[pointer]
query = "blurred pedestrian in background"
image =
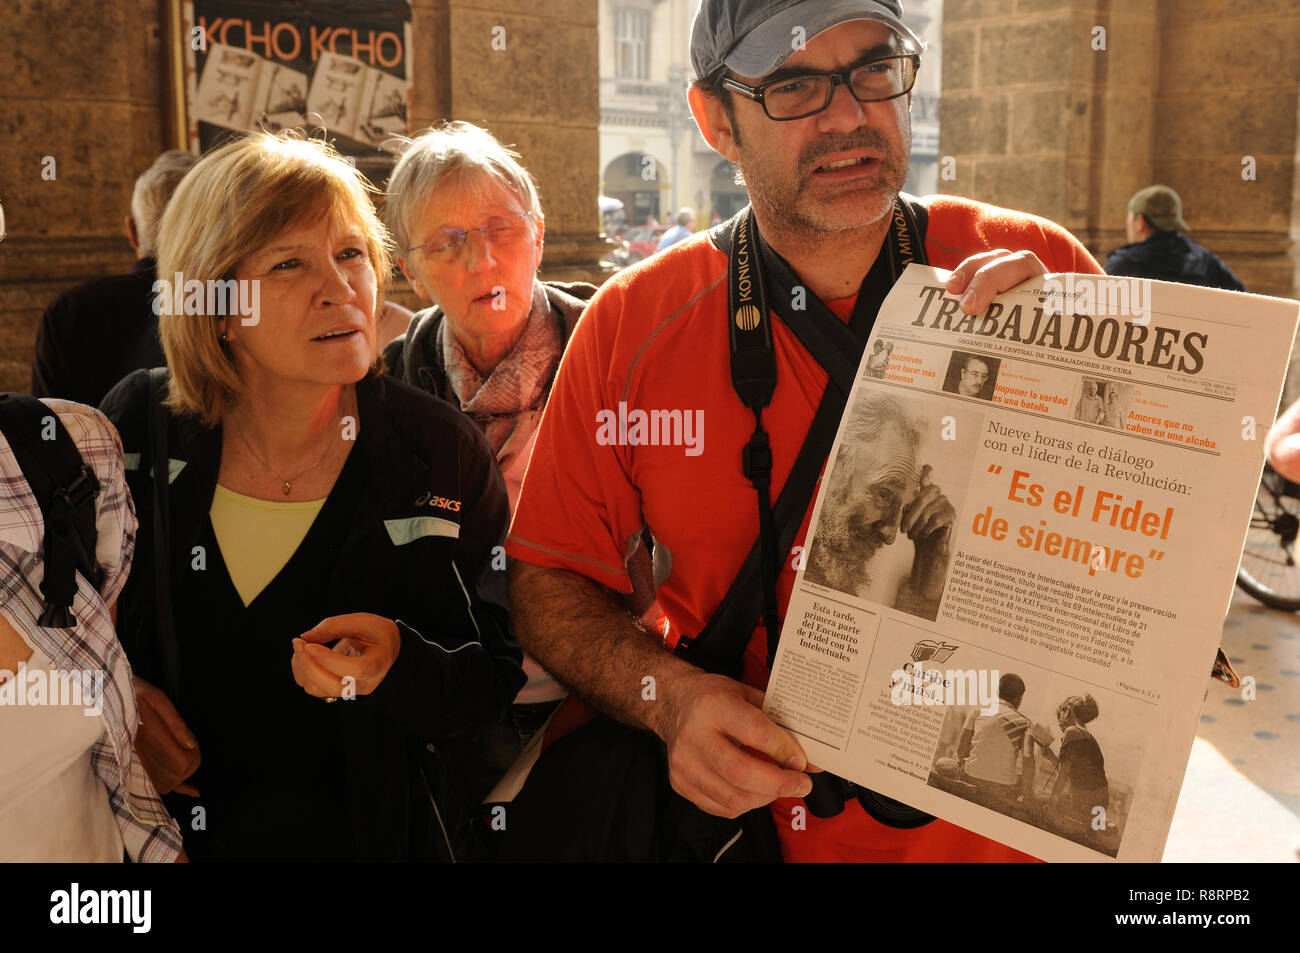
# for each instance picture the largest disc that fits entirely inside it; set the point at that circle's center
(684, 228)
(1158, 247)
(95, 334)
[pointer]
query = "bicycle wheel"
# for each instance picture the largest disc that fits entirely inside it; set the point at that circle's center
(1268, 569)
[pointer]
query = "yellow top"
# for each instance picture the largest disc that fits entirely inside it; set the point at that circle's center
(257, 537)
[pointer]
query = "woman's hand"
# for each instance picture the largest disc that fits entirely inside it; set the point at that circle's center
(367, 648)
(166, 748)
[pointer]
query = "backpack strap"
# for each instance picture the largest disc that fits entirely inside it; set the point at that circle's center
(65, 488)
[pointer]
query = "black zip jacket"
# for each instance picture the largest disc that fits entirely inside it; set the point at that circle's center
(1171, 256)
(408, 533)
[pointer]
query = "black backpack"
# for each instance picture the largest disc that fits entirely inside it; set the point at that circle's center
(65, 487)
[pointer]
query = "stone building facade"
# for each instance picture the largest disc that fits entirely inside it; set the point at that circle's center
(1067, 107)
(84, 84)
(652, 157)
(1061, 107)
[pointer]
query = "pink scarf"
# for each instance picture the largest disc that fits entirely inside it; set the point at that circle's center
(508, 404)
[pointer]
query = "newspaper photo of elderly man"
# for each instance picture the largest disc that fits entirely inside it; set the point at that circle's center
(880, 489)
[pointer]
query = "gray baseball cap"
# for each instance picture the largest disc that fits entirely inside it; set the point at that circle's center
(1162, 207)
(754, 37)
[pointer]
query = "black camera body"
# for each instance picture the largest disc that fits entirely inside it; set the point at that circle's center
(830, 793)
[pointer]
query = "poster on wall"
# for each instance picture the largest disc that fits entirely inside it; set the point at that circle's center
(332, 68)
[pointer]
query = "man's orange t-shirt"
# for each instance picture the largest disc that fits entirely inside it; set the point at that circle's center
(655, 339)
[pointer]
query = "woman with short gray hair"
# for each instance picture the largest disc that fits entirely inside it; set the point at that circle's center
(469, 229)
(468, 225)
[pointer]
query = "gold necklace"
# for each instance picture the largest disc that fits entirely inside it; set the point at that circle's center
(286, 485)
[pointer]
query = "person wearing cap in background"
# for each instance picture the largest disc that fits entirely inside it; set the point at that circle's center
(1158, 248)
(824, 166)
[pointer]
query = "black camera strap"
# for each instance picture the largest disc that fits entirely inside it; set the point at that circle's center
(753, 270)
(759, 279)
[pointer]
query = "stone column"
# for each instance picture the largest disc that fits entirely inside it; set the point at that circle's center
(1066, 107)
(539, 93)
(80, 118)
(83, 84)
(1225, 132)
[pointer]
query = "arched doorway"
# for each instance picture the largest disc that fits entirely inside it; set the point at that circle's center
(727, 197)
(635, 179)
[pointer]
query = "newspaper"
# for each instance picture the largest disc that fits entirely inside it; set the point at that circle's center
(1023, 550)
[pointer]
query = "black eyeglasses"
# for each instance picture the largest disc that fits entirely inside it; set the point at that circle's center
(799, 97)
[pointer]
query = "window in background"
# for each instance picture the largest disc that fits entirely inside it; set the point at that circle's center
(632, 43)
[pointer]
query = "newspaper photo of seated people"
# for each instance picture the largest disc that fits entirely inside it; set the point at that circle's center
(1041, 756)
(1022, 551)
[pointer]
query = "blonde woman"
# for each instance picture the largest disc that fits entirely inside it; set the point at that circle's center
(330, 532)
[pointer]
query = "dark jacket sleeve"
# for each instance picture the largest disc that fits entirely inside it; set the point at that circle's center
(1119, 264)
(127, 408)
(412, 358)
(393, 351)
(50, 376)
(462, 670)
(1223, 277)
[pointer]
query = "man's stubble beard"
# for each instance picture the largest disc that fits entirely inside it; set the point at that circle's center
(782, 205)
(841, 554)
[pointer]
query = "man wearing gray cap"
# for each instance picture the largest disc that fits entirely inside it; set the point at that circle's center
(1158, 248)
(824, 167)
